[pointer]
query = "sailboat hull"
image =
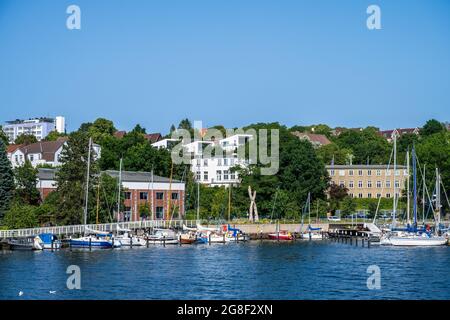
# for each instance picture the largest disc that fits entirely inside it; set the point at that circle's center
(417, 241)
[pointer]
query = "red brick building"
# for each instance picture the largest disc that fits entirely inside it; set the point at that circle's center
(158, 193)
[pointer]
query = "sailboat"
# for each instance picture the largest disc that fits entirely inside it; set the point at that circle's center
(92, 238)
(127, 239)
(412, 235)
(311, 233)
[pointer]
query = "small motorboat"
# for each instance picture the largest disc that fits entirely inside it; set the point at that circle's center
(312, 234)
(100, 240)
(282, 235)
(29, 243)
(188, 237)
(50, 241)
(162, 236)
(127, 239)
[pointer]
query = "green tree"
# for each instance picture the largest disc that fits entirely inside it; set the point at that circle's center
(336, 193)
(6, 181)
(21, 216)
(332, 151)
(185, 124)
(431, 127)
(25, 139)
(26, 181)
(144, 210)
(54, 135)
(4, 137)
(348, 205)
(101, 129)
(71, 178)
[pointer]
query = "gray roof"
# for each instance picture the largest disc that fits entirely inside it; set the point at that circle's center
(127, 176)
(363, 166)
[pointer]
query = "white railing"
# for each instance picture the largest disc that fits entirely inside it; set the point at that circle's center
(109, 227)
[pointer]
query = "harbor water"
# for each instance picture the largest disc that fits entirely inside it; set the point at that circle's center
(251, 270)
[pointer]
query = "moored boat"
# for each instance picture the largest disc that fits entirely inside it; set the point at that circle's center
(29, 243)
(50, 241)
(282, 235)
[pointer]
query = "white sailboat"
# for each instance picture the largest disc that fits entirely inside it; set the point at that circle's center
(311, 233)
(413, 236)
(92, 238)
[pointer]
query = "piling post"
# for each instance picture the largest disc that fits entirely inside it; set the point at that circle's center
(224, 238)
(164, 241)
(90, 243)
(52, 243)
(209, 239)
(146, 240)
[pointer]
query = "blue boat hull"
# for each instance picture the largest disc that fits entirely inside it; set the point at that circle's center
(92, 244)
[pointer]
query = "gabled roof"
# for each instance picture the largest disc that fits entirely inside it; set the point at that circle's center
(313, 137)
(13, 147)
(46, 148)
(153, 137)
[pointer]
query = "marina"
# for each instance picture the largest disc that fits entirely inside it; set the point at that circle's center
(244, 270)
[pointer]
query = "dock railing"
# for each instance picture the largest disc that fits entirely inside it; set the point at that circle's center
(105, 227)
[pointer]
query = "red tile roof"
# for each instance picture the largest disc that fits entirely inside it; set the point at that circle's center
(13, 147)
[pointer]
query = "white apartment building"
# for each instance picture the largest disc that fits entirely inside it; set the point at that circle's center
(209, 168)
(38, 127)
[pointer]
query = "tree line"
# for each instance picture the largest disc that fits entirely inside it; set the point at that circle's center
(302, 171)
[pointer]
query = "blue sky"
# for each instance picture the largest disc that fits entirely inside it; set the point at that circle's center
(230, 62)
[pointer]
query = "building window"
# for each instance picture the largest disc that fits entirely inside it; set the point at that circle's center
(174, 195)
(388, 172)
(159, 212)
(159, 195)
(360, 195)
(342, 184)
(205, 175)
(205, 162)
(198, 162)
(369, 184)
(143, 195)
(388, 195)
(397, 184)
(127, 195)
(350, 184)
(31, 157)
(369, 195)
(397, 172)
(360, 172)
(378, 172)
(388, 183)
(342, 173)
(232, 175)
(127, 214)
(219, 161)
(351, 195)
(225, 174)
(199, 175)
(350, 172)
(369, 172)
(378, 184)
(332, 172)
(218, 175)
(378, 195)
(360, 184)
(225, 162)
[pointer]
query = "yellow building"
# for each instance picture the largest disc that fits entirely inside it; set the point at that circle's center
(369, 181)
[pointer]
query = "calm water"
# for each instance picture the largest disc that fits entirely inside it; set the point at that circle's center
(255, 270)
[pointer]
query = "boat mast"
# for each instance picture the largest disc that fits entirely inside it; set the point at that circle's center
(394, 213)
(86, 196)
(407, 188)
(198, 202)
(423, 195)
(414, 159)
(119, 187)
(229, 201)
(438, 202)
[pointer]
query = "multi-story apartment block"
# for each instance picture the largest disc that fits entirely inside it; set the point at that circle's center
(369, 181)
(38, 127)
(209, 168)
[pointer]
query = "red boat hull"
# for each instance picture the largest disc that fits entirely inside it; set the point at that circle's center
(274, 236)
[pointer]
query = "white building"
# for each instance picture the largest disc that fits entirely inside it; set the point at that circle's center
(209, 168)
(38, 127)
(42, 152)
